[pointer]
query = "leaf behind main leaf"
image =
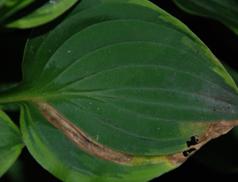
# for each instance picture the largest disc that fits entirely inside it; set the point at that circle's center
(9, 7)
(10, 143)
(47, 12)
(223, 11)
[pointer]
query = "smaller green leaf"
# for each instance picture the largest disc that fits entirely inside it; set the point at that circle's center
(44, 14)
(10, 143)
(9, 7)
(223, 11)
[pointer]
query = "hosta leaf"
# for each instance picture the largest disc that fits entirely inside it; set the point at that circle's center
(10, 143)
(223, 11)
(9, 7)
(120, 91)
(45, 13)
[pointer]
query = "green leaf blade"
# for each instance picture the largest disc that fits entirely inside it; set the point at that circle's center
(44, 14)
(109, 11)
(223, 11)
(9, 7)
(11, 143)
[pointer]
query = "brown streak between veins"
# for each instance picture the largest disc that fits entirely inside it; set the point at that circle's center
(80, 138)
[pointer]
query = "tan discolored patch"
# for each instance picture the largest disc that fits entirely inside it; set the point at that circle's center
(214, 130)
(177, 159)
(80, 138)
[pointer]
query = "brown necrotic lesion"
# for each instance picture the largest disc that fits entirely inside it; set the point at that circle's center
(80, 138)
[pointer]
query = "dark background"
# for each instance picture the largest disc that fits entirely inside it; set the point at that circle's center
(215, 161)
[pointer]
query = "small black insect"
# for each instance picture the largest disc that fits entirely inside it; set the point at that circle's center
(186, 153)
(193, 141)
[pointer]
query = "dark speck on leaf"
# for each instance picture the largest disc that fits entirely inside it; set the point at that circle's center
(193, 141)
(186, 153)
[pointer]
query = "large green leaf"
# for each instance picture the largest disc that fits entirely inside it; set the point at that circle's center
(10, 143)
(116, 92)
(45, 13)
(225, 11)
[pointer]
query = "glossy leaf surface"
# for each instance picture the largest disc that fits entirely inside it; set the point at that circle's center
(225, 11)
(125, 86)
